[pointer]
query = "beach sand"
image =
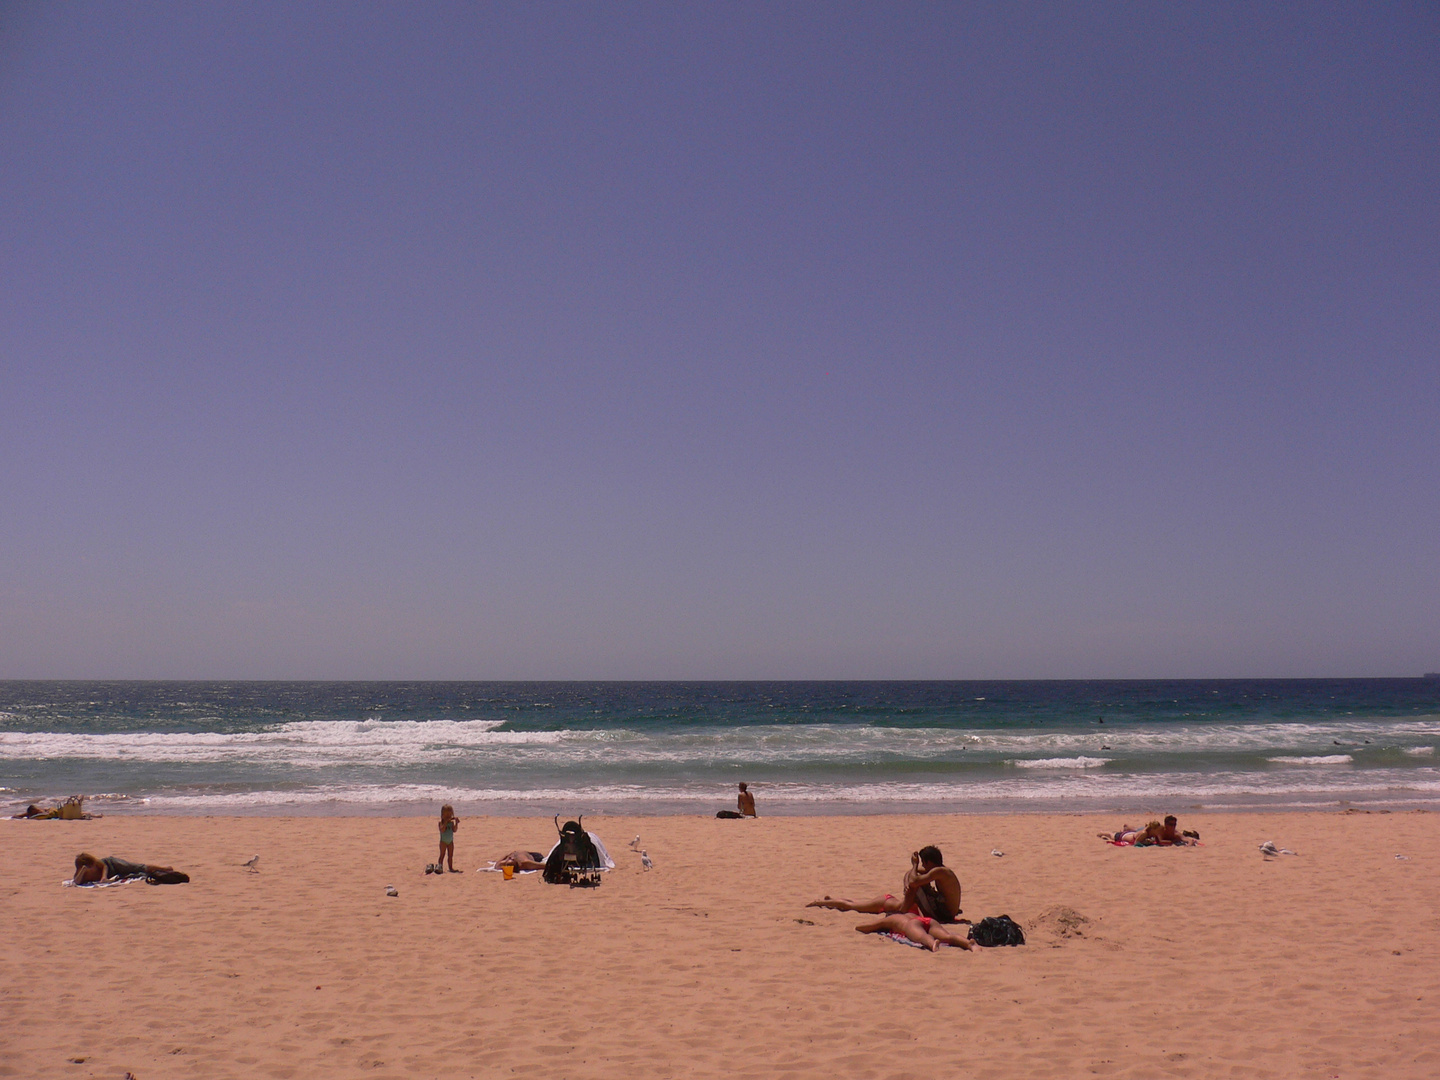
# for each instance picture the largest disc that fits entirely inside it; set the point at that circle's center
(1204, 962)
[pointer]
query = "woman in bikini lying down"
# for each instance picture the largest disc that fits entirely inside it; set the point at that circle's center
(920, 929)
(521, 860)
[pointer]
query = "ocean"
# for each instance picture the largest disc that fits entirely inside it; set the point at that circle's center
(663, 748)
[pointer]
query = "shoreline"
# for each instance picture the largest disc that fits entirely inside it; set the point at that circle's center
(125, 807)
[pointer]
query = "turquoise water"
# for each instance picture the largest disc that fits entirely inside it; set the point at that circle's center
(823, 747)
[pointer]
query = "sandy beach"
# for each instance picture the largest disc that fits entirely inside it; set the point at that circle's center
(1201, 962)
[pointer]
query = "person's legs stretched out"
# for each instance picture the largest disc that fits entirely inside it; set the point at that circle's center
(881, 905)
(906, 925)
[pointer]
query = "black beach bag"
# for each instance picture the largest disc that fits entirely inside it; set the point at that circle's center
(997, 930)
(574, 859)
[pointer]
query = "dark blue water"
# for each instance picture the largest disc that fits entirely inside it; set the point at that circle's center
(677, 747)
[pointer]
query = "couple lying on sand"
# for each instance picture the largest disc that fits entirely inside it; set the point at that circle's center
(1154, 833)
(930, 899)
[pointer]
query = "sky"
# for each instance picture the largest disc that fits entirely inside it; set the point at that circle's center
(719, 341)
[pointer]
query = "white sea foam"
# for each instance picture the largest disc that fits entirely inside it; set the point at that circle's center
(1420, 751)
(1062, 763)
(390, 742)
(1291, 788)
(1318, 759)
(307, 742)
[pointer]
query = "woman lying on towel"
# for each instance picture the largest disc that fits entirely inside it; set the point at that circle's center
(92, 871)
(931, 933)
(521, 861)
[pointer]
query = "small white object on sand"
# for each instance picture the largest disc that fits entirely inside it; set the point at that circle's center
(997, 853)
(390, 890)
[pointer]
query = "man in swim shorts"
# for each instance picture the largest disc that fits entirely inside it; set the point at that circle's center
(931, 890)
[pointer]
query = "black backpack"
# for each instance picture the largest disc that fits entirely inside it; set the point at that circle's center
(574, 861)
(997, 930)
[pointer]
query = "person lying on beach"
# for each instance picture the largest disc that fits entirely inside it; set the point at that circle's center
(92, 871)
(521, 860)
(72, 809)
(1155, 833)
(920, 929)
(744, 805)
(929, 889)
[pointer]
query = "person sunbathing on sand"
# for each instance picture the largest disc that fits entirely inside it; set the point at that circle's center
(1154, 833)
(91, 871)
(521, 860)
(930, 889)
(919, 929)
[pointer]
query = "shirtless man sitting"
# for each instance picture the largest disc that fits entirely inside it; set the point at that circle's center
(930, 890)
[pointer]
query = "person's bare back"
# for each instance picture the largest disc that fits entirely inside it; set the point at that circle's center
(931, 887)
(745, 802)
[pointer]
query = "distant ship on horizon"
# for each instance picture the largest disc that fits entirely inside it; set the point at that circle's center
(1431, 675)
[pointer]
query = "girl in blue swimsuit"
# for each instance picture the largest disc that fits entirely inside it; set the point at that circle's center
(448, 824)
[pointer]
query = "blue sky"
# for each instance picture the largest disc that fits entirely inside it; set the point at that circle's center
(719, 341)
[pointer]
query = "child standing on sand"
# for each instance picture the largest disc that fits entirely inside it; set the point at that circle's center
(448, 824)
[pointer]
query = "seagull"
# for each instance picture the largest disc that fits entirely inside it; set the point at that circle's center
(996, 852)
(1269, 850)
(645, 861)
(252, 864)
(635, 844)
(390, 890)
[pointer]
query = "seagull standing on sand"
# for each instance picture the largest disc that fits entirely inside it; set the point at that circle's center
(645, 861)
(635, 844)
(252, 864)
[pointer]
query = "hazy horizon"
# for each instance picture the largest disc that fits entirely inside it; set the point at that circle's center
(633, 342)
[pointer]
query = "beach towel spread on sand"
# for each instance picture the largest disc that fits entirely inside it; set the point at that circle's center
(69, 884)
(901, 939)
